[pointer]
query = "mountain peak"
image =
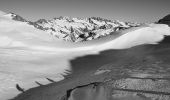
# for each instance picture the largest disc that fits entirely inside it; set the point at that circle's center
(80, 29)
(15, 17)
(76, 29)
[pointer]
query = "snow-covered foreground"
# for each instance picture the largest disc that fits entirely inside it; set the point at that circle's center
(28, 55)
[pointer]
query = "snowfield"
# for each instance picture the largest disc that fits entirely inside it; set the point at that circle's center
(28, 54)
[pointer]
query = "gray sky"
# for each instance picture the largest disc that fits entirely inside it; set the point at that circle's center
(124, 10)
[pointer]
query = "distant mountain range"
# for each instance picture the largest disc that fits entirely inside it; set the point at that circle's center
(77, 29)
(81, 29)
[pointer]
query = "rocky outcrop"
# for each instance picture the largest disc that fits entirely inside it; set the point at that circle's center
(165, 20)
(17, 17)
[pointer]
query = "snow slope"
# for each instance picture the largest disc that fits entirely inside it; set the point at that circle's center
(28, 55)
(2, 13)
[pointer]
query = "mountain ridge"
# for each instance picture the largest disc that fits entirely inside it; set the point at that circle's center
(77, 29)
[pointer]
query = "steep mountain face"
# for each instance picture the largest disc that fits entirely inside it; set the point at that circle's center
(77, 29)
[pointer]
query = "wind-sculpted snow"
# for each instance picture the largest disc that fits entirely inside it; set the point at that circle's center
(29, 55)
(147, 35)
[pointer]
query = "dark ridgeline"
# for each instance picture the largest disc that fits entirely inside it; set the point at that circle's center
(165, 20)
(165, 40)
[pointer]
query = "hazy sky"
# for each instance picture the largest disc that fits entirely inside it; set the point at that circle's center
(124, 10)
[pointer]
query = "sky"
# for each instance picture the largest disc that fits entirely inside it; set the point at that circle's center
(123, 10)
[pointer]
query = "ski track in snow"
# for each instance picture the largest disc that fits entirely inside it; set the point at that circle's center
(28, 55)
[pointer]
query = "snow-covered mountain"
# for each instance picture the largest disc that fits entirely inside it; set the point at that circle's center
(29, 55)
(77, 29)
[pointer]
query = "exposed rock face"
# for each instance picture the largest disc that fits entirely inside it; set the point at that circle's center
(77, 29)
(17, 17)
(165, 20)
